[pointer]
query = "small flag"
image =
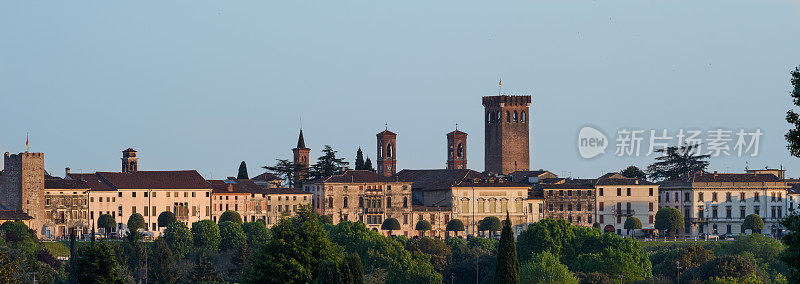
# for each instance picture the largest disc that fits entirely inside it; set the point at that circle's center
(499, 84)
(27, 139)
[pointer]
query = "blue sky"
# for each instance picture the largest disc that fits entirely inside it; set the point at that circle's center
(206, 84)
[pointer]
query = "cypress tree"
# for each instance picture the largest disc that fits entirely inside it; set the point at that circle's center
(73, 250)
(328, 273)
(356, 270)
(359, 159)
(507, 267)
(368, 165)
(242, 171)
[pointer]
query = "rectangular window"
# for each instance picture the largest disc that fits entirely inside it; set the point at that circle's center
(481, 206)
(651, 192)
(700, 196)
(713, 197)
(755, 197)
(133, 210)
(619, 191)
(728, 197)
(602, 206)
(601, 219)
(146, 211)
(628, 191)
(651, 206)
(742, 196)
(601, 191)
(133, 194)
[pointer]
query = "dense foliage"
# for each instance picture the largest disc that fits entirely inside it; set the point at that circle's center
(507, 266)
(674, 161)
(669, 220)
(166, 218)
(205, 234)
(231, 216)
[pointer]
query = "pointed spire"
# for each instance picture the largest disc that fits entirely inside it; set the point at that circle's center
(301, 143)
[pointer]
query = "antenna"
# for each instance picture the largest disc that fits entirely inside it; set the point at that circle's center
(387, 125)
(456, 125)
(301, 122)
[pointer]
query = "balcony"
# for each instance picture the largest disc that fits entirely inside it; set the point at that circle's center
(373, 210)
(699, 220)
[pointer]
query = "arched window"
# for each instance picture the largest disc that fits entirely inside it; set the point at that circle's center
(516, 119)
(488, 117)
(389, 150)
(361, 202)
(380, 151)
(449, 149)
(405, 202)
(460, 150)
(508, 116)
(523, 116)
(389, 202)
(344, 202)
(330, 202)
(497, 116)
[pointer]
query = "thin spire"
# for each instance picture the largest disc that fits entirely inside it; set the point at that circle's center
(301, 143)
(456, 126)
(387, 126)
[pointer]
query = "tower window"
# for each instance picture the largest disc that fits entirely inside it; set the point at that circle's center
(516, 119)
(508, 116)
(522, 118)
(488, 117)
(460, 151)
(389, 151)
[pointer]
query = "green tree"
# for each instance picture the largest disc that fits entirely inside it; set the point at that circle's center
(669, 220)
(242, 171)
(8, 267)
(390, 224)
(205, 235)
(178, 239)
(454, 225)
(368, 165)
(546, 268)
(326, 219)
(422, 226)
(439, 252)
(166, 218)
(355, 268)
(731, 266)
(793, 136)
(754, 223)
(675, 161)
(359, 159)
(327, 164)
(106, 222)
(257, 234)
(329, 273)
(491, 224)
(230, 215)
(204, 270)
(791, 256)
(136, 222)
(381, 253)
(97, 264)
(507, 268)
(160, 263)
(232, 236)
(632, 223)
(286, 170)
(633, 172)
(296, 250)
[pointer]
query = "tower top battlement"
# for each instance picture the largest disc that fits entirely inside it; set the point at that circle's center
(505, 100)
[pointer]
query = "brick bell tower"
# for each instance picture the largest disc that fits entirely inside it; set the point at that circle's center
(130, 163)
(23, 186)
(506, 120)
(387, 157)
(300, 154)
(456, 150)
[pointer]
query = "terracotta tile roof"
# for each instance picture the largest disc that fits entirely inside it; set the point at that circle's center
(93, 181)
(386, 133)
(622, 181)
(355, 176)
(795, 189)
(457, 132)
(703, 176)
(188, 179)
(301, 142)
(536, 194)
(14, 214)
(423, 208)
(59, 183)
(567, 186)
(236, 186)
(447, 178)
(266, 177)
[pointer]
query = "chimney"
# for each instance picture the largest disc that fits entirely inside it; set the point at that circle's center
(230, 187)
(66, 171)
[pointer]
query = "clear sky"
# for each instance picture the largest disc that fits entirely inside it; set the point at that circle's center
(206, 84)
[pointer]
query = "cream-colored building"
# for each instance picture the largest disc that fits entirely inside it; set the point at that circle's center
(254, 202)
(717, 203)
(121, 194)
(470, 196)
(618, 198)
(364, 196)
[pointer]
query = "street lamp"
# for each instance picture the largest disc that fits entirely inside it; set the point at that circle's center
(678, 266)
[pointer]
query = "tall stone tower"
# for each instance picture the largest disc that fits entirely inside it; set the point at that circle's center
(300, 154)
(387, 156)
(506, 123)
(456, 150)
(23, 186)
(130, 163)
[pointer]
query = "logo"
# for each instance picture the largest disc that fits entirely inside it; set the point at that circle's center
(591, 142)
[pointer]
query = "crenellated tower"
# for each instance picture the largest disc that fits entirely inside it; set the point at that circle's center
(506, 123)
